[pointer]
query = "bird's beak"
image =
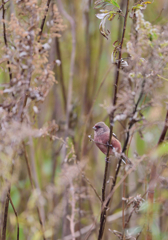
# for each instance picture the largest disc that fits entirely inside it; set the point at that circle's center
(94, 128)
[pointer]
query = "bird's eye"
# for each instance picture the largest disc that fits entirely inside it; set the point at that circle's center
(98, 127)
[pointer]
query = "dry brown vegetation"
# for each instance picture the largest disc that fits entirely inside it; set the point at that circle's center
(64, 66)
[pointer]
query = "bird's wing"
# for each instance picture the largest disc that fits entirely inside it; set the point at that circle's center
(105, 137)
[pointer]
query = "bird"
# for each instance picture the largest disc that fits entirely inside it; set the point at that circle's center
(101, 139)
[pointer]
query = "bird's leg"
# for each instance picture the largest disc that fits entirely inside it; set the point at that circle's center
(107, 144)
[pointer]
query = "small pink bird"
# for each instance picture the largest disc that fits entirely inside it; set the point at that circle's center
(101, 138)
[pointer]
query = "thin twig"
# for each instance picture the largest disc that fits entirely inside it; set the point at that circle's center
(103, 213)
(127, 195)
(107, 201)
(15, 215)
(5, 216)
(32, 162)
(5, 38)
(61, 72)
(165, 128)
(32, 185)
(28, 166)
(131, 123)
(93, 220)
(129, 217)
(88, 181)
(110, 218)
(91, 227)
(54, 165)
(138, 235)
(43, 21)
(4, 2)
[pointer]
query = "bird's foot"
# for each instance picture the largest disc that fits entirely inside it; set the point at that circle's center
(110, 145)
(107, 160)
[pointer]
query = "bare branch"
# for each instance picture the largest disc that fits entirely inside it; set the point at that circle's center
(163, 134)
(43, 21)
(4, 2)
(91, 227)
(15, 215)
(5, 216)
(103, 213)
(61, 72)
(5, 38)
(32, 186)
(91, 185)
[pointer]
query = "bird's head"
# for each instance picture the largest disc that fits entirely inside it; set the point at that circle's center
(100, 128)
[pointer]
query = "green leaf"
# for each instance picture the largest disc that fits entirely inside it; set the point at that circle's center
(111, 17)
(147, 2)
(115, 3)
(138, 6)
(155, 36)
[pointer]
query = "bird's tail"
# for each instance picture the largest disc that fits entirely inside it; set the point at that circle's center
(123, 159)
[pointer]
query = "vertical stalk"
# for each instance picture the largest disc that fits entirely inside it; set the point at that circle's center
(104, 211)
(5, 38)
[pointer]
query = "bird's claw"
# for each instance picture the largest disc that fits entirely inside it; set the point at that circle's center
(106, 159)
(110, 145)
